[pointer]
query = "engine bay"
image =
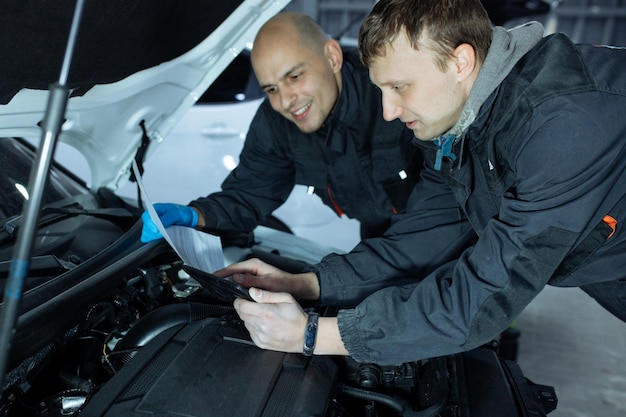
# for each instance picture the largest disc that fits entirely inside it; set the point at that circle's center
(160, 344)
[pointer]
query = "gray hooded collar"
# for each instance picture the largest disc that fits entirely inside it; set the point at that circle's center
(507, 48)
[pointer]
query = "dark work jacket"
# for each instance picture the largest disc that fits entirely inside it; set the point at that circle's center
(541, 177)
(353, 162)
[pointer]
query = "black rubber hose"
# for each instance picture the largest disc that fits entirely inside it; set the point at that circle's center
(399, 406)
(161, 319)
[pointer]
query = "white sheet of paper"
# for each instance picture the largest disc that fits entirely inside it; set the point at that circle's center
(195, 248)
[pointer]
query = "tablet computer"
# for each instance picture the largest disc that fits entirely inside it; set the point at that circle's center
(225, 289)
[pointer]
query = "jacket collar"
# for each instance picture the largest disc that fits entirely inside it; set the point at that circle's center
(347, 107)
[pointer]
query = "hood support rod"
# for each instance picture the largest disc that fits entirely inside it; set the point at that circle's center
(52, 123)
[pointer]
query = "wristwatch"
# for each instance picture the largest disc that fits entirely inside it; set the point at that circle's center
(310, 334)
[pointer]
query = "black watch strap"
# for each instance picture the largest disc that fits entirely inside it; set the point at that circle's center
(310, 334)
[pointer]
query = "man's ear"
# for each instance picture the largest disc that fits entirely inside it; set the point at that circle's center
(464, 60)
(334, 54)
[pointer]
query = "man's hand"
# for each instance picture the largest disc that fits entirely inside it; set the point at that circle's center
(169, 214)
(256, 273)
(275, 322)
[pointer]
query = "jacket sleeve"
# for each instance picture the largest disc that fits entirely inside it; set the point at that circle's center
(259, 184)
(400, 255)
(560, 186)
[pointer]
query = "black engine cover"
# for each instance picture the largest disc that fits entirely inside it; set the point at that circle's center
(211, 368)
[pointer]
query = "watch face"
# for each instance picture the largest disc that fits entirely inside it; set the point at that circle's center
(309, 338)
(310, 334)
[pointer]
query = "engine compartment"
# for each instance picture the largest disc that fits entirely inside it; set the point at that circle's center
(158, 344)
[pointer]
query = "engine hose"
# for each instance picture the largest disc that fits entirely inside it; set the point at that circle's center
(79, 384)
(399, 406)
(161, 319)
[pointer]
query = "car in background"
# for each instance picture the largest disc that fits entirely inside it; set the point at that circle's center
(107, 326)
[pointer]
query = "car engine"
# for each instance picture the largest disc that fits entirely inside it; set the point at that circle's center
(154, 342)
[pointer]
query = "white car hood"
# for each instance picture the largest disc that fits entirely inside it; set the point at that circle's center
(103, 118)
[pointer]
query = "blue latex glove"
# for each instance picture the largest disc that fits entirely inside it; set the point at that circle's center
(169, 214)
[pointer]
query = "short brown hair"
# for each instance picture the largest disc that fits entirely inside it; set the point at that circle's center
(447, 24)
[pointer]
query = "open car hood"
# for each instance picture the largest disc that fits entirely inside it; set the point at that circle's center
(137, 68)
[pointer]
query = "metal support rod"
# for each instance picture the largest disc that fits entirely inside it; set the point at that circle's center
(53, 120)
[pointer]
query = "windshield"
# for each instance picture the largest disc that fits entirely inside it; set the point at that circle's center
(16, 159)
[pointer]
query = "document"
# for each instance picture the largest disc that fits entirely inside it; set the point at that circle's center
(195, 248)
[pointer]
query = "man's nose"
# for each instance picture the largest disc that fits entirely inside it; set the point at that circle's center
(287, 98)
(391, 111)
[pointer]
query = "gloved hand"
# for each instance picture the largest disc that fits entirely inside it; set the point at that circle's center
(169, 214)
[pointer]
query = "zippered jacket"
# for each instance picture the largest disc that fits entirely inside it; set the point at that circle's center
(539, 174)
(357, 163)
